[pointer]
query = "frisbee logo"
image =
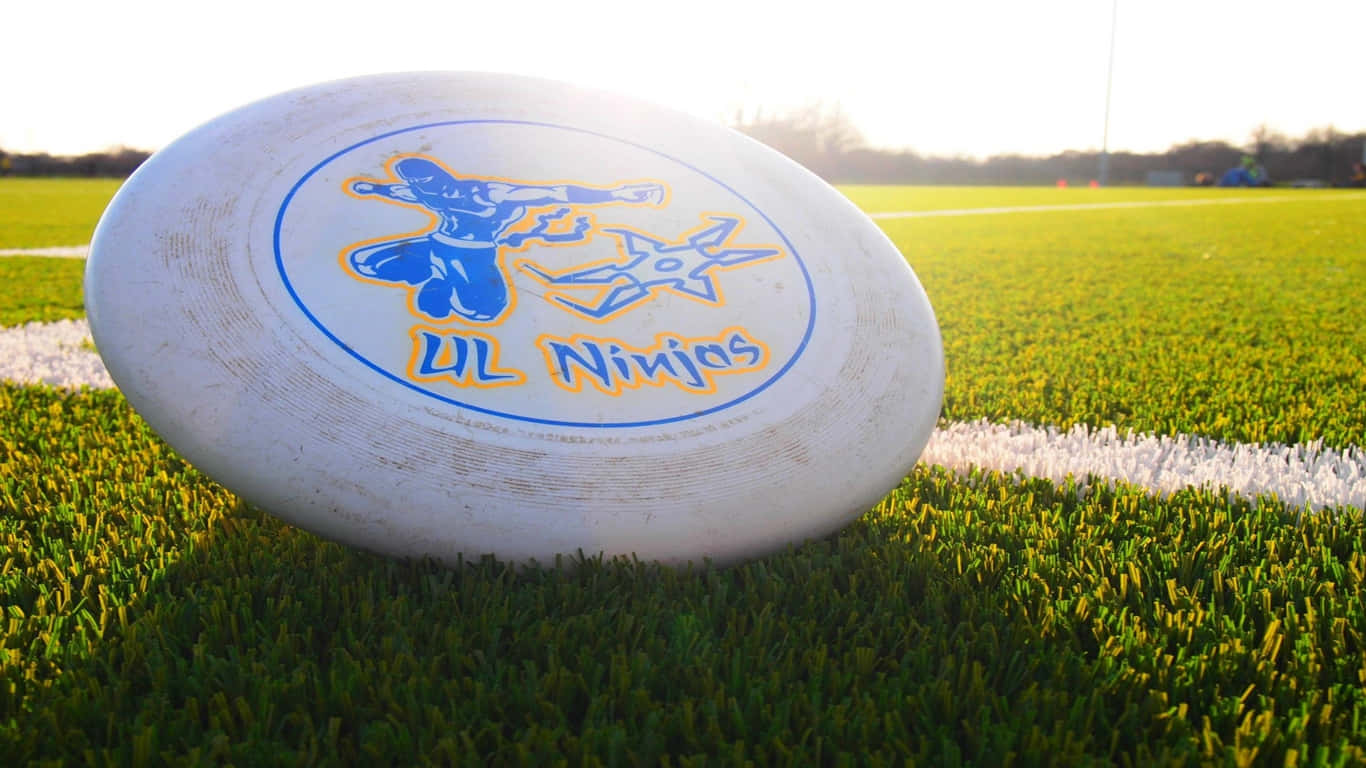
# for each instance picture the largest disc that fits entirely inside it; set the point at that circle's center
(599, 283)
(454, 270)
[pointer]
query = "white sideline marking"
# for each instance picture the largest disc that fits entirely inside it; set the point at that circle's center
(51, 353)
(1100, 206)
(1298, 474)
(59, 251)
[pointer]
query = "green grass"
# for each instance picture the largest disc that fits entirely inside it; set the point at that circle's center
(150, 617)
(39, 213)
(874, 198)
(40, 288)
(1243, 323)
(961, 622)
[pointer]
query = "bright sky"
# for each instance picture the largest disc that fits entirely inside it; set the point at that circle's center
(973, 77)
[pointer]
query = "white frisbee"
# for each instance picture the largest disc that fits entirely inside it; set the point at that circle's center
(444, 314)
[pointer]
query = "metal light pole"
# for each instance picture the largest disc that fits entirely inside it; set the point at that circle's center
(1109, 80)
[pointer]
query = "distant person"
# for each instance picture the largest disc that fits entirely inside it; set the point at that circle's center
(1358, 175)
(1249, 174)
(1236, 176)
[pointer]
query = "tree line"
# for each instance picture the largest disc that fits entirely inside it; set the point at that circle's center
(113, 163)
(825, 140)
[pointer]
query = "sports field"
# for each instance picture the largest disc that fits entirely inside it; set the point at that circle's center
(1137, 538)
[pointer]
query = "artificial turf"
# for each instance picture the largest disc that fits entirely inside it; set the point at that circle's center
(988, 619)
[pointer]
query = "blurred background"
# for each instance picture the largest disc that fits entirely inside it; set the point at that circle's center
(971, 92)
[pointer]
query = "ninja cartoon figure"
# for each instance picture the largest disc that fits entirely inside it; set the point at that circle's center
(456, 264)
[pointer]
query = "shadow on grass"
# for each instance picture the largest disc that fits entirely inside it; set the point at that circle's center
(916, 632)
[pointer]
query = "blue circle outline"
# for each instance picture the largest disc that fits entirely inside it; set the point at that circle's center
(284, 277)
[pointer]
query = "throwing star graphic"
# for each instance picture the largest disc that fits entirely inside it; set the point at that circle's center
(686, 267)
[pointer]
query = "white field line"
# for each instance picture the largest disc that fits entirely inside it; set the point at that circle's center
(1299, 475)
(51, 353)
(1102, 206)
(58, 251)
